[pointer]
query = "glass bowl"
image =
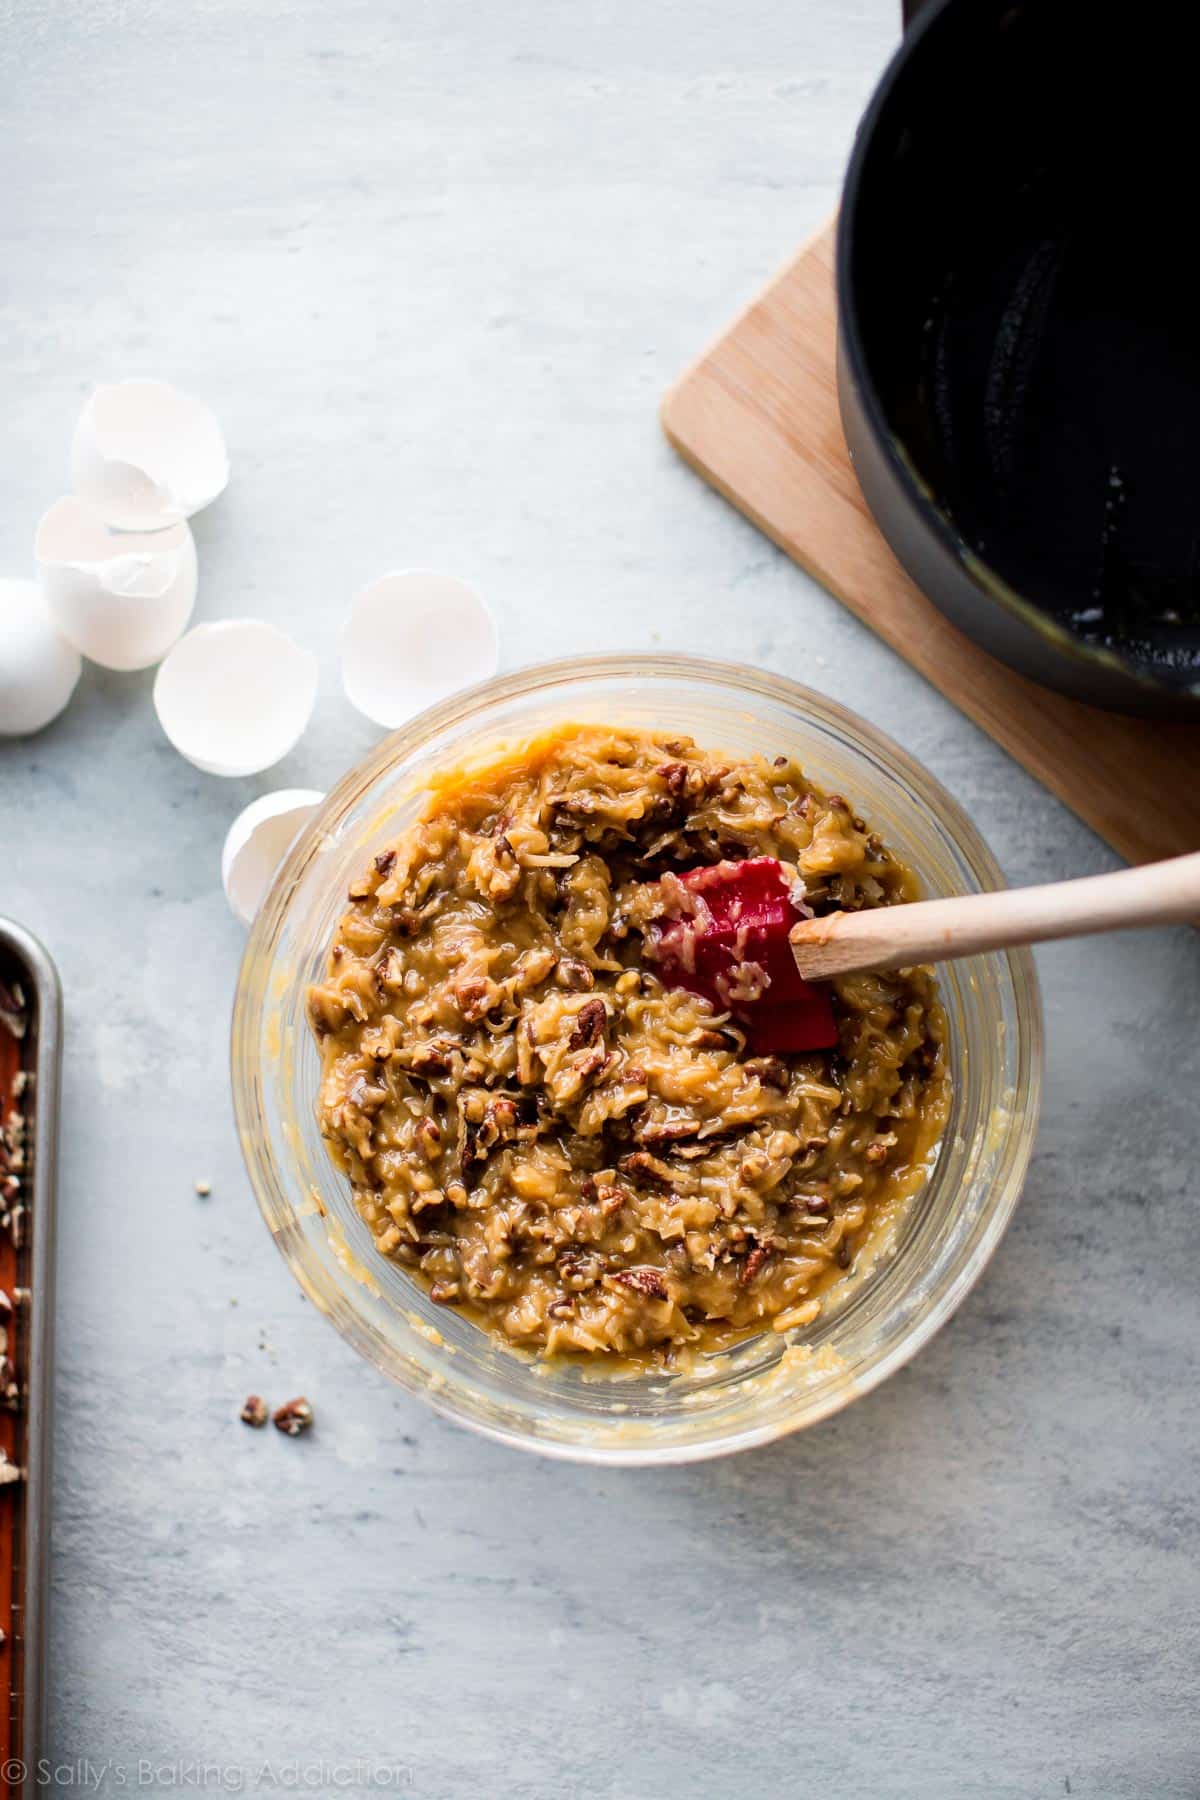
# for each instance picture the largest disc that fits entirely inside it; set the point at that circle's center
(770, 1384)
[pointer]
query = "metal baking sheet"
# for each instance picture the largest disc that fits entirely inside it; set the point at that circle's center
(27, 1261)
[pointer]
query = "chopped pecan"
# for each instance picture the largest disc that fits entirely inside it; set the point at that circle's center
(650, 1168)
(606, 1195)
(753, 1264)
(389, 970)
(385, 862)
(469, 1151)
(590, 1023)
(653, 1134)
(579, 1269)
(648, 1282)
(580, 805)
(594, 1063)
(574, 975)
(500, 1122)
(366, 1095)
(475, 996)
(675, 775)
(443, 1293)
(429, 1136)
(692, 1152)
(293, 1417)
(771, 1071)
(254, 1411)
(484, 1121)
(436, 1058)
(326, 1012)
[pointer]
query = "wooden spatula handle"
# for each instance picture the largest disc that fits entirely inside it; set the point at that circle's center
(893, 937)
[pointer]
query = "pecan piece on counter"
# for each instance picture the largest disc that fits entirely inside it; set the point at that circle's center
(293, 1417)
(255, 1411)
(647, 1282)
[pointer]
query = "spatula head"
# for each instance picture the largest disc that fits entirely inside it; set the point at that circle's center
(732, 949)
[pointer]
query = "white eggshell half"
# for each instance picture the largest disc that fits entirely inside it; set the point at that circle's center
(411, 639)
(38, 668)
(235, 696)
(144, 455)
(257, 842)
(123, 598)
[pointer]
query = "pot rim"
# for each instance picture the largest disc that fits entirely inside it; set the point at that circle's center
(986, 580)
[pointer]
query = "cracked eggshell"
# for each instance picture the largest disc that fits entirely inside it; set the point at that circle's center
(411, 639)
(257, 842)
(38, 668)
(123, 598)
(145, 455)
(235, 696)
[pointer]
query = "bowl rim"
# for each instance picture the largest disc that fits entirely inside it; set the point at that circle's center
(823, 713)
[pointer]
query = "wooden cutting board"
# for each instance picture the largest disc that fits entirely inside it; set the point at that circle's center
(757, 416)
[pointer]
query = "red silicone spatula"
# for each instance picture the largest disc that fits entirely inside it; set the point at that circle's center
(735, 944)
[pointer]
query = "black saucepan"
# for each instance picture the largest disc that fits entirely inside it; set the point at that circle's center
(1019, 336)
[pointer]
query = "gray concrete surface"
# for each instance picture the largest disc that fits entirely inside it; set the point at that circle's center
(433, 266)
